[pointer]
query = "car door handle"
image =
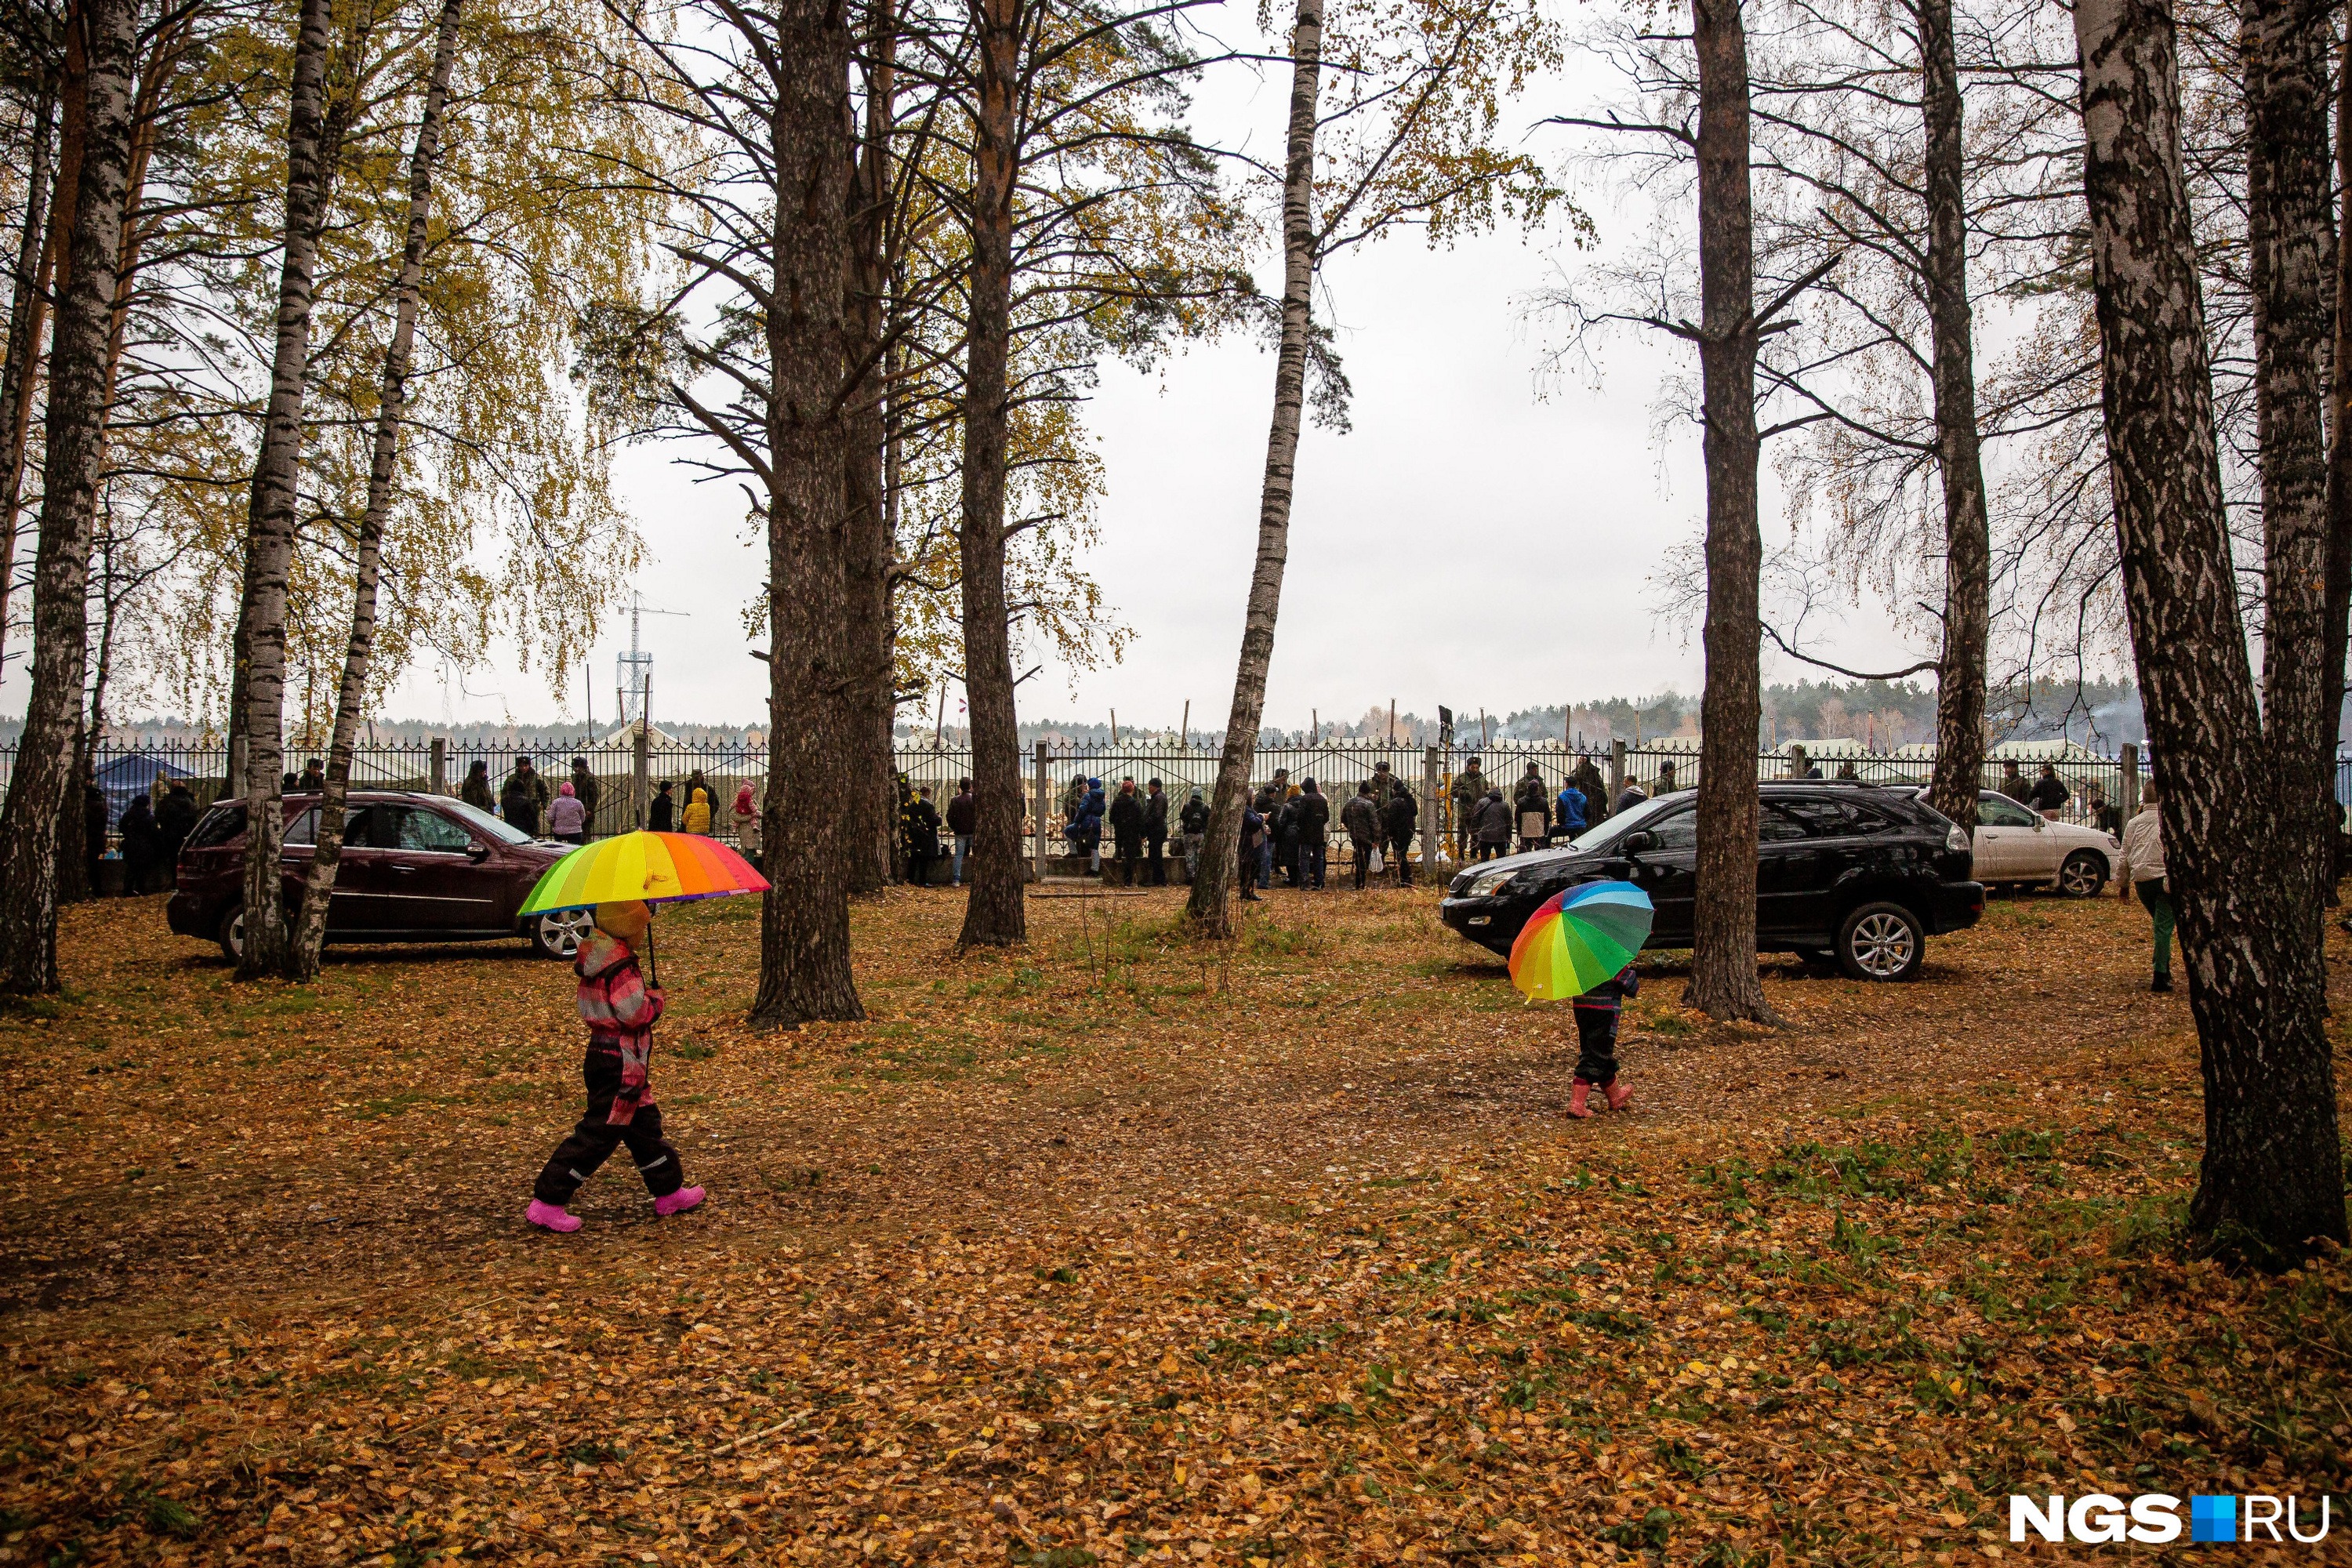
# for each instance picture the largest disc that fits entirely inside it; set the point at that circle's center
(404, 871)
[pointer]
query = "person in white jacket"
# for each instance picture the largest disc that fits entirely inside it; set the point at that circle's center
(2143, 872)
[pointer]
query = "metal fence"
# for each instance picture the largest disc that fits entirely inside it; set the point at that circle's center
(627, 778)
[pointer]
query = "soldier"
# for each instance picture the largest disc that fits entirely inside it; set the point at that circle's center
(1385, 786)
(585, 788)
(1470, 787)
(1594, 788)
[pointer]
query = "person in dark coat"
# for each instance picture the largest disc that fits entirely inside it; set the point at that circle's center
(1594, 788)
(1285, 840)
(922, 823)
(313, 779)
(141, 841)
(587, 791)
(1399, 817)
(1362, 817)
(1630, 797)
(1086, 827)
(963, 821)
(2012, 784)
(93, 832)
(175, 818)
(1311, 819)
(1194, 820)
(1155, 832)
(1493, 826)
(524, 798)
(1666, 777)
(662, 816)
(1253, 853)
(1126, 830)
(2050, 795)
(1529, 794)
(476, 790)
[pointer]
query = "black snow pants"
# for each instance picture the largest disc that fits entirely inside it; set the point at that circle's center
(594, 1139)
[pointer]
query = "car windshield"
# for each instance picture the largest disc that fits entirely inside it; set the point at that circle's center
(1624, 822)
(483, 823)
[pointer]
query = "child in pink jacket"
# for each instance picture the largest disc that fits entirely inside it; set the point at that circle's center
(620, 1010)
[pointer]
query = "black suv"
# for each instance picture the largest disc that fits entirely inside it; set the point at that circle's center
(1848, 872)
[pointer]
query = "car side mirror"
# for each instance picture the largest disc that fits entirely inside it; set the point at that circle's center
(1634, 843)
(477, 851)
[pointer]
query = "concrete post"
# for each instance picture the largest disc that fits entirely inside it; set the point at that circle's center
(2127, 800)
(1044, 804)
(1616, 771)
(233, 786)
(437, 769)
(641, 780)
(1433, 836)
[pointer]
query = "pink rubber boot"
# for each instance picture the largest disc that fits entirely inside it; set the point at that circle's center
(1578, 1093)
(550, 1216)
(1618, 1095)
(678, 1202)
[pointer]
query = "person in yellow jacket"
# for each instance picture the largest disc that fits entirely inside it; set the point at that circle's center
(697, 814)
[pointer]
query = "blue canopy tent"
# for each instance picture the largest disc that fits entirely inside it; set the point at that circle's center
(134, 775)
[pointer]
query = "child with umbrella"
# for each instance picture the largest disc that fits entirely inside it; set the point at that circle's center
(619, 879)
(620, 1010)
(1580, 945)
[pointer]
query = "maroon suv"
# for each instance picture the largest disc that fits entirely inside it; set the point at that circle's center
(415, 867)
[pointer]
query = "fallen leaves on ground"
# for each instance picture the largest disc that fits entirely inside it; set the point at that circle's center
(1121, 1249)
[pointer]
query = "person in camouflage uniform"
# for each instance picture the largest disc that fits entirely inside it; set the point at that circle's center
(1385, 785)
(1592, 787)
(1470, 787)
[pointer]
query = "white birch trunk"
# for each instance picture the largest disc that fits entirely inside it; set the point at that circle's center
(270, 521)
(1207, 905)
(302, 956)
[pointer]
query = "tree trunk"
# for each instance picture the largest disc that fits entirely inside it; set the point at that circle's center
(1723, 981)
(2284, 45)
(28, 305)
(1968, 542)
(2272, 1174)
(318, 893)
(867, 629)
(804, 972)
(996, 914)
(2337, 630)
(37, 794)
(269, 520)
(1207, 906)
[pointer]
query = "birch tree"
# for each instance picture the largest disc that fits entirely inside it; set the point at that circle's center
(318, 885)
(1410, 143)
(2270, 1186)
(270, 527)
(99, 45)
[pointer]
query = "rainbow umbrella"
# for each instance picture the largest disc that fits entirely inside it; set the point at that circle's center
(1579, 938)
(655, 867)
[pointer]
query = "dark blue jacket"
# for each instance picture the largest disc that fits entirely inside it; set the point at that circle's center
(1610, 994)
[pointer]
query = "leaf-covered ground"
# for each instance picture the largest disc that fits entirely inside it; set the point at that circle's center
(1120, 1250)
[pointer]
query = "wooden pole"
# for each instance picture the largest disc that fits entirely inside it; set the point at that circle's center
(1391, 721)
(1188, 720)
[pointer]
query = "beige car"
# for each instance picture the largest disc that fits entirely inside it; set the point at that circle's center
(2014, 844)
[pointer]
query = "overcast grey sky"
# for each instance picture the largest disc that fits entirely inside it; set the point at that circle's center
(1469, 542)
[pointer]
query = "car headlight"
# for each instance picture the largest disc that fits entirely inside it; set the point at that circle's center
(1486, 884)
(1956, 841)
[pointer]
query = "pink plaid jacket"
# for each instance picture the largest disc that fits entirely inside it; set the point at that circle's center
(620, 1010)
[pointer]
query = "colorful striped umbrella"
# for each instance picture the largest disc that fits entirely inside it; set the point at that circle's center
(1578, 939)
(655, 867)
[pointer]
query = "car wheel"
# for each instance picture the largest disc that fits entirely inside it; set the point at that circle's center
(231, 933)
(559, 934)
(1881, 941)
(2083, 875)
